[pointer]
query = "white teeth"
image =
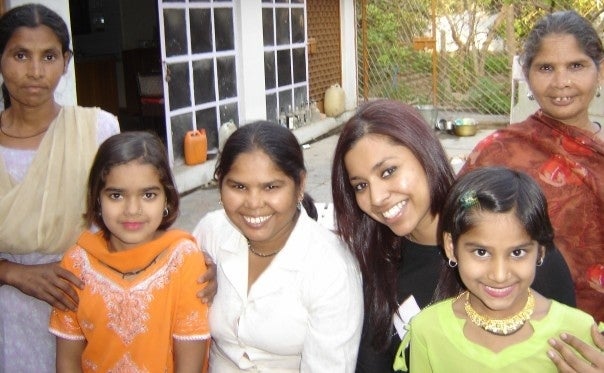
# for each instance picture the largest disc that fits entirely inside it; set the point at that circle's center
(498, 290)
(394, 210)
(256, 219)
(560, 99)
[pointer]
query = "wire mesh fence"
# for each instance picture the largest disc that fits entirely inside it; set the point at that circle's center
(454, 55)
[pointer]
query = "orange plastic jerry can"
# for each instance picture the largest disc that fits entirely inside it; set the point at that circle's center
(196, 147)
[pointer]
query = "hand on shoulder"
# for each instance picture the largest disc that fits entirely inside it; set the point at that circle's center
(570, 354)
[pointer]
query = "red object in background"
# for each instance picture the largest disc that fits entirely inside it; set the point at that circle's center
(595, 273)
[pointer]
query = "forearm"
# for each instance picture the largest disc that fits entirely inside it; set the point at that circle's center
(2, 271)
(7, 272)
(189, 356)
(69, 355)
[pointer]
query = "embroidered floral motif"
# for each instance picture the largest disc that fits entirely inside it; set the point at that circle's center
(89, 366)
(189, 324)
(126, 365)
(127, 308)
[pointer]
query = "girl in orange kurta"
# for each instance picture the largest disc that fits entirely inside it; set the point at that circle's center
(138, 310)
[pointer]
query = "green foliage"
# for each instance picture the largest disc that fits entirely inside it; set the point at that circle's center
(526, 13)
(497, 63)
(491, 96)
(388, 46)
(467, 78)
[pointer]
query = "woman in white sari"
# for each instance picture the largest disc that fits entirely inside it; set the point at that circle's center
(45, 154)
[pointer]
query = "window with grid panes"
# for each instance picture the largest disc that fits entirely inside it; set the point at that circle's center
(285, 63)
(201, 70)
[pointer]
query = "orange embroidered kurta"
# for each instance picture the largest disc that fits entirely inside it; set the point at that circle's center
(568, 164)
(129, 323)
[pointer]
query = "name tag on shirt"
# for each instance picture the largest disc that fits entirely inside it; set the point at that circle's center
(406, 311)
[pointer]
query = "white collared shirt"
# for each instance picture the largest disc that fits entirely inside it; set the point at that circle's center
(303, 314)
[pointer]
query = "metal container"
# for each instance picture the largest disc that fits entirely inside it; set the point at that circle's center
(465, 129)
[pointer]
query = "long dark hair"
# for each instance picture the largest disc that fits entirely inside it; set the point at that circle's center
(140, 146)
(278, 143)
(375, 246)
(491, 189)
(31, 15)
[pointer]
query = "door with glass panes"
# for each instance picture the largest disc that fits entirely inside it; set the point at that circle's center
(198, 49)
(200, 63)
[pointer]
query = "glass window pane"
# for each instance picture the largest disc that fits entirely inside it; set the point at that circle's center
(284, 67)
(298, 25)
(270, 80)
(297, 1)
(271, 108)
(229, 112)
(176, 33)
(207, 119)
(201, 30)
(181, 124)
(285, 100)
(300, 96)
(282, 26)
(178, 85)
(299, 57)
(203, 80)
(223, 24)
(267, 27)
(227, 78)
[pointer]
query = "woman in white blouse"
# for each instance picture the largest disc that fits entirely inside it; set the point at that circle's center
(289, 293)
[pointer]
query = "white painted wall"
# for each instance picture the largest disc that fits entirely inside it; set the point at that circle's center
(349, 52)
(66, 91)
(248, 31)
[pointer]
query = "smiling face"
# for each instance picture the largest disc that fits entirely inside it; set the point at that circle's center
(391, 187)
(132, 204)
(260, 200)
(496, 262)
(564, 79)
(32, 65)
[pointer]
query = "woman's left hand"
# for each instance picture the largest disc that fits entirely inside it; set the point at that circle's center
(591, 360)
(209, 277)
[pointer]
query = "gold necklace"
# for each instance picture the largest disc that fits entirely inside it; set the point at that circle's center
(505, 326)
(262, 255)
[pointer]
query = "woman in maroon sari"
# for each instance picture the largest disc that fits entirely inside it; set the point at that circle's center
(559, 145)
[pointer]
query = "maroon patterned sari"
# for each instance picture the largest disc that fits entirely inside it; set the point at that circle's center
(568, 164)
